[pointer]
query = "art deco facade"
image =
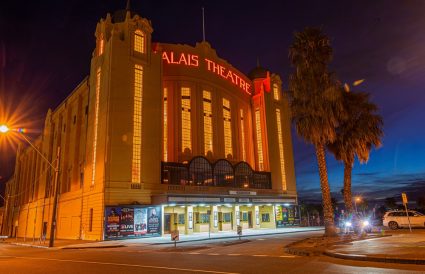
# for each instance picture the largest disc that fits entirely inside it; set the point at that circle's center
(158, 137)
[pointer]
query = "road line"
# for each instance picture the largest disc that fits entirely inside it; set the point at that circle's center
(260, 255)
(234, 254)
(194, 253)
(287, 256)
(213, 254)
(129, 265)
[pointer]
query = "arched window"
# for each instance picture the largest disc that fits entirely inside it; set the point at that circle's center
(139, 41)
(223, 173)
(200, 171)
(243, 175)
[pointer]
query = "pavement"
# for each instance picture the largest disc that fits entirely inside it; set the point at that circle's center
(163, 240)
(402, 247)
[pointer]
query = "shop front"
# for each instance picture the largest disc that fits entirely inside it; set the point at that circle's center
(202, 217)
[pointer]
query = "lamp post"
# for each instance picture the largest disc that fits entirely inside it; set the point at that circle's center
(356, 199)
(4, 129)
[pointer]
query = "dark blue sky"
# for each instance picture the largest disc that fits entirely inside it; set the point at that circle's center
(45, 51)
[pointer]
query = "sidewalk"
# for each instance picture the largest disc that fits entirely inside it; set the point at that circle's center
(406, 248)
(80, 244)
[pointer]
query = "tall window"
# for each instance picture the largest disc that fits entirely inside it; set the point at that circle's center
(228, 149)
(186, 126)
(259, 140)
(165, 125)
(101, 44)
(139, 41)
(137, 124)
(96, 120)
(208, 132)
(280, 139)
(276, 94)
(243, 137)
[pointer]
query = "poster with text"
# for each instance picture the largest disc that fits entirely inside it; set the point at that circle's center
(113, 217)
(127, 221)
(154, 223)
(140, 221)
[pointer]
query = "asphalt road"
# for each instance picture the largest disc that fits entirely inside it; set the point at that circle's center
(263, 254)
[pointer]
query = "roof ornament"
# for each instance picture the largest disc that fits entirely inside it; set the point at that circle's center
(203, 25)
(127, 7)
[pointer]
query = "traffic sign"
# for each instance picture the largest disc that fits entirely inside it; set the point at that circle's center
(175, 235)
(239, 230)
(404, 198)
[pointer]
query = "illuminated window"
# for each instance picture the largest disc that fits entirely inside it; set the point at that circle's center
(259, 140)
(243, 137)
(280, 138)
(165, 126)
(276, 94)
(96, 120)
(208, 132)
(139, 41)
(228, 149)
(101, 44)
(137, 124)
(186, 126)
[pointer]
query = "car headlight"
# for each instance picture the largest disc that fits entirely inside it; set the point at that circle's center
(365, 223)
(348, 224)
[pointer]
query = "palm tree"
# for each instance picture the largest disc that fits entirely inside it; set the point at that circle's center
(316, 103)
(356, 135)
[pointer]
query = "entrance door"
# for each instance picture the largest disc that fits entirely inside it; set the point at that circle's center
(167, 223)
(250, 219)
(220, 221)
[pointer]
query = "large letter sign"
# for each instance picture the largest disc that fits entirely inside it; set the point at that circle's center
(192, 60)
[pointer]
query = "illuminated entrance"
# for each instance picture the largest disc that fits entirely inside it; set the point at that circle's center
(195, 218)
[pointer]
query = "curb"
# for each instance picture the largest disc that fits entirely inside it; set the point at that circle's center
(27, 245)
(86, 247)
(357, 257)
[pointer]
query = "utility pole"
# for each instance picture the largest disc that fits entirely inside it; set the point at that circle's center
(55, 201)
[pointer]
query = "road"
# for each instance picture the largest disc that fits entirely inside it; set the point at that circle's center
(260, 254)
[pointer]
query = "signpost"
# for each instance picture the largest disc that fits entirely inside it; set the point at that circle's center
(239, 231)
(404, 198)
(175, 236)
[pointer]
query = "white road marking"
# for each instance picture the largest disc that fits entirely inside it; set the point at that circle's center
(234, 254)
(287, 256)
(260, 255)
(213, 254)
(129, 265)
(194, 253)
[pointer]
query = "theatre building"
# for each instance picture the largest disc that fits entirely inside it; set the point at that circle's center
(158, 137)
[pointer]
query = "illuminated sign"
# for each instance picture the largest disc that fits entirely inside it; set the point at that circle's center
(192, 60)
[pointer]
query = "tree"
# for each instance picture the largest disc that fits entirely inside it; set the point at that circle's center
(315, 103)
(358, 131)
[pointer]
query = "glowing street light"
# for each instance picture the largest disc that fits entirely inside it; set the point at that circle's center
(5, 129)
(357, 200)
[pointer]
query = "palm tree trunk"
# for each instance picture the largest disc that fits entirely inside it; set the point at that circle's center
(326, 193)
(348, 200)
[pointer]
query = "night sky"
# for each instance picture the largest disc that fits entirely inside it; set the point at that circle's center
(46, 46)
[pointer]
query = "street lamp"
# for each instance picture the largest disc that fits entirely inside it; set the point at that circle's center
(356, 199)
(5, 129)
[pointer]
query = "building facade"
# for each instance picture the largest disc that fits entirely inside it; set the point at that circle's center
(159, 137)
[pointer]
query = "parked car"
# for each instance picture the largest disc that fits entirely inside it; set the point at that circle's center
(397, 219)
